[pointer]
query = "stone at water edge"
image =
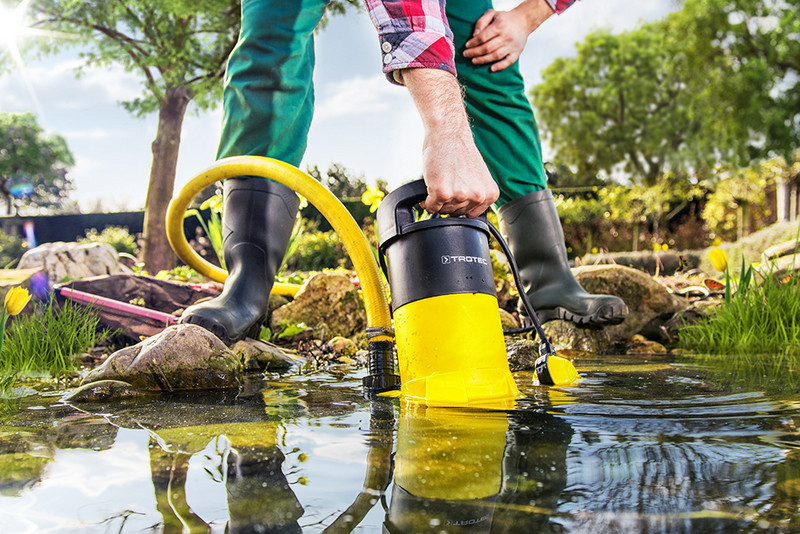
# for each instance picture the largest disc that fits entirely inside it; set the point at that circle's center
(647, 301)
(329, 303)
(182, 357)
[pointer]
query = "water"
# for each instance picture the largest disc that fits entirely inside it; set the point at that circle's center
(643, 444)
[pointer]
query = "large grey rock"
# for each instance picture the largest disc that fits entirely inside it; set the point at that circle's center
(647, 301)
(329, 303)
(72, 261)
(182, 357)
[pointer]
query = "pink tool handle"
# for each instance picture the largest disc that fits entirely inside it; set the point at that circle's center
(103, 302)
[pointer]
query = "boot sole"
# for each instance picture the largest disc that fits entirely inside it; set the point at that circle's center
(601, 318)
(253, 331)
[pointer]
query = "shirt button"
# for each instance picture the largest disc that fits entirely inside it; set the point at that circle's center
(386, 46)
(387, 59)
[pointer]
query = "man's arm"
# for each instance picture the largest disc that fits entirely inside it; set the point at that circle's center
(500, 36)
(421, 57)
(459, 183)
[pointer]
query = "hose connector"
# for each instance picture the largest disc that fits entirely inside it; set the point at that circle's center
(381, 377)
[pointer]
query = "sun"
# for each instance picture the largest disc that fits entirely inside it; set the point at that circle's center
(13, 28)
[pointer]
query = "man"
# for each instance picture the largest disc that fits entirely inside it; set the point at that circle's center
(267, 108)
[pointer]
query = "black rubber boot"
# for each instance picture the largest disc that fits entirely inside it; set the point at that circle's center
(531, 226)
(257, 220)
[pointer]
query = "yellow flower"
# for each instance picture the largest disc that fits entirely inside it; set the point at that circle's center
(372, 197)
(665, 246)
(16, 299)
(719, 259)
(215, 203)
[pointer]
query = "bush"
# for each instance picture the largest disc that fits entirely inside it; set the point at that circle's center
(116, 236)
(318, 250)
(12, 248)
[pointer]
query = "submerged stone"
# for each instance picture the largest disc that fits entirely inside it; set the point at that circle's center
(182, 357)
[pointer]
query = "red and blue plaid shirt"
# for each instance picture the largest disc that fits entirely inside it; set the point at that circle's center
(414, 33)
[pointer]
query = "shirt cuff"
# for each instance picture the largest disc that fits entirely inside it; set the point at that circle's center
(407, 50)
(559, 6)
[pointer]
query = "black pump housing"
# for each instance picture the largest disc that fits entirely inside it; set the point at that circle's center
(438, 256)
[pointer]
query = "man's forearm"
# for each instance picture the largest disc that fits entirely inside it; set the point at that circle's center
(458, 180)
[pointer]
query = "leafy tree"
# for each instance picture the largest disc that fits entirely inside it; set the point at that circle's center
(178, 48)
(715, 81)
(33, 163)
(616, 105)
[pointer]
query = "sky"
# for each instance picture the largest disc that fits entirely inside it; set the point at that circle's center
(361, 120)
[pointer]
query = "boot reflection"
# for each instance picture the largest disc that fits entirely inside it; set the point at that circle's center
(458, 471)
(259, 497)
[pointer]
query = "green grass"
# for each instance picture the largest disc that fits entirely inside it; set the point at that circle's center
(48, 340)
(763, 320)
(45, 342)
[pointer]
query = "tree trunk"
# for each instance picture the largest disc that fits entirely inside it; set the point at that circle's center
(156, 252)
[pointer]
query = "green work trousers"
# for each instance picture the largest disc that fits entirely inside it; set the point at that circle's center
(269, 96)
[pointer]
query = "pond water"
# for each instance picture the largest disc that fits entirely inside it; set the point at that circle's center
(642, 444)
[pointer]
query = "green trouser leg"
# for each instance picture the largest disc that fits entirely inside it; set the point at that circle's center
(502, 120)
(269, 95)
(267, 107)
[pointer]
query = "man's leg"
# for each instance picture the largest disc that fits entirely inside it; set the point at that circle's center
(507, 135)
(267, 107)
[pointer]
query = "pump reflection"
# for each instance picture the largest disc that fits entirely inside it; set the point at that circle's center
(463, 471)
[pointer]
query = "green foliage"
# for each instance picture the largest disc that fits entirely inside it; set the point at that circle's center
(168, 43)
(738, 202)
(318, 250)
(181, 273)
(290, 330)
(29, 156)
(117, 236)
(212, 227)
(48, 339)
(765, 319)
(716, 80)
(12, 247)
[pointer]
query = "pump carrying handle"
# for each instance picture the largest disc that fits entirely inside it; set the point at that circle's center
(397, 209)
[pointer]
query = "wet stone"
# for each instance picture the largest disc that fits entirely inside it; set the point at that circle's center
(182, 357)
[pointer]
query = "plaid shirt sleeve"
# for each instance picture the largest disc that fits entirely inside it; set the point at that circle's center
(412, 33)
(559, 6)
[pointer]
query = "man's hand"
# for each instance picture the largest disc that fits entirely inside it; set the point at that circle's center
(458, 180)
(500, 36)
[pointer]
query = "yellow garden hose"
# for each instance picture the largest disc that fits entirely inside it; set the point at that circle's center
(357, 246)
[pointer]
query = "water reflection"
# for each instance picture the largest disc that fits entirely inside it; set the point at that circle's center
(644, 448)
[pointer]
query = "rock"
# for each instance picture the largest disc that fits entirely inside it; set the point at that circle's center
(182, 357)
(262, 356)
(72, 261)
(787, 248)
(666, 332)
(639, 344)
(329, 303)
(522, 353)
(508, 320)
(341, 346)
(647, 301)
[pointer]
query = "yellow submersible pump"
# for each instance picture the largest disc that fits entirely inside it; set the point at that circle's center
(450, 344)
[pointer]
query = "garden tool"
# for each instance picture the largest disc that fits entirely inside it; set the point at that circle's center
(533, 230)
(257, 219)
(450, 344)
